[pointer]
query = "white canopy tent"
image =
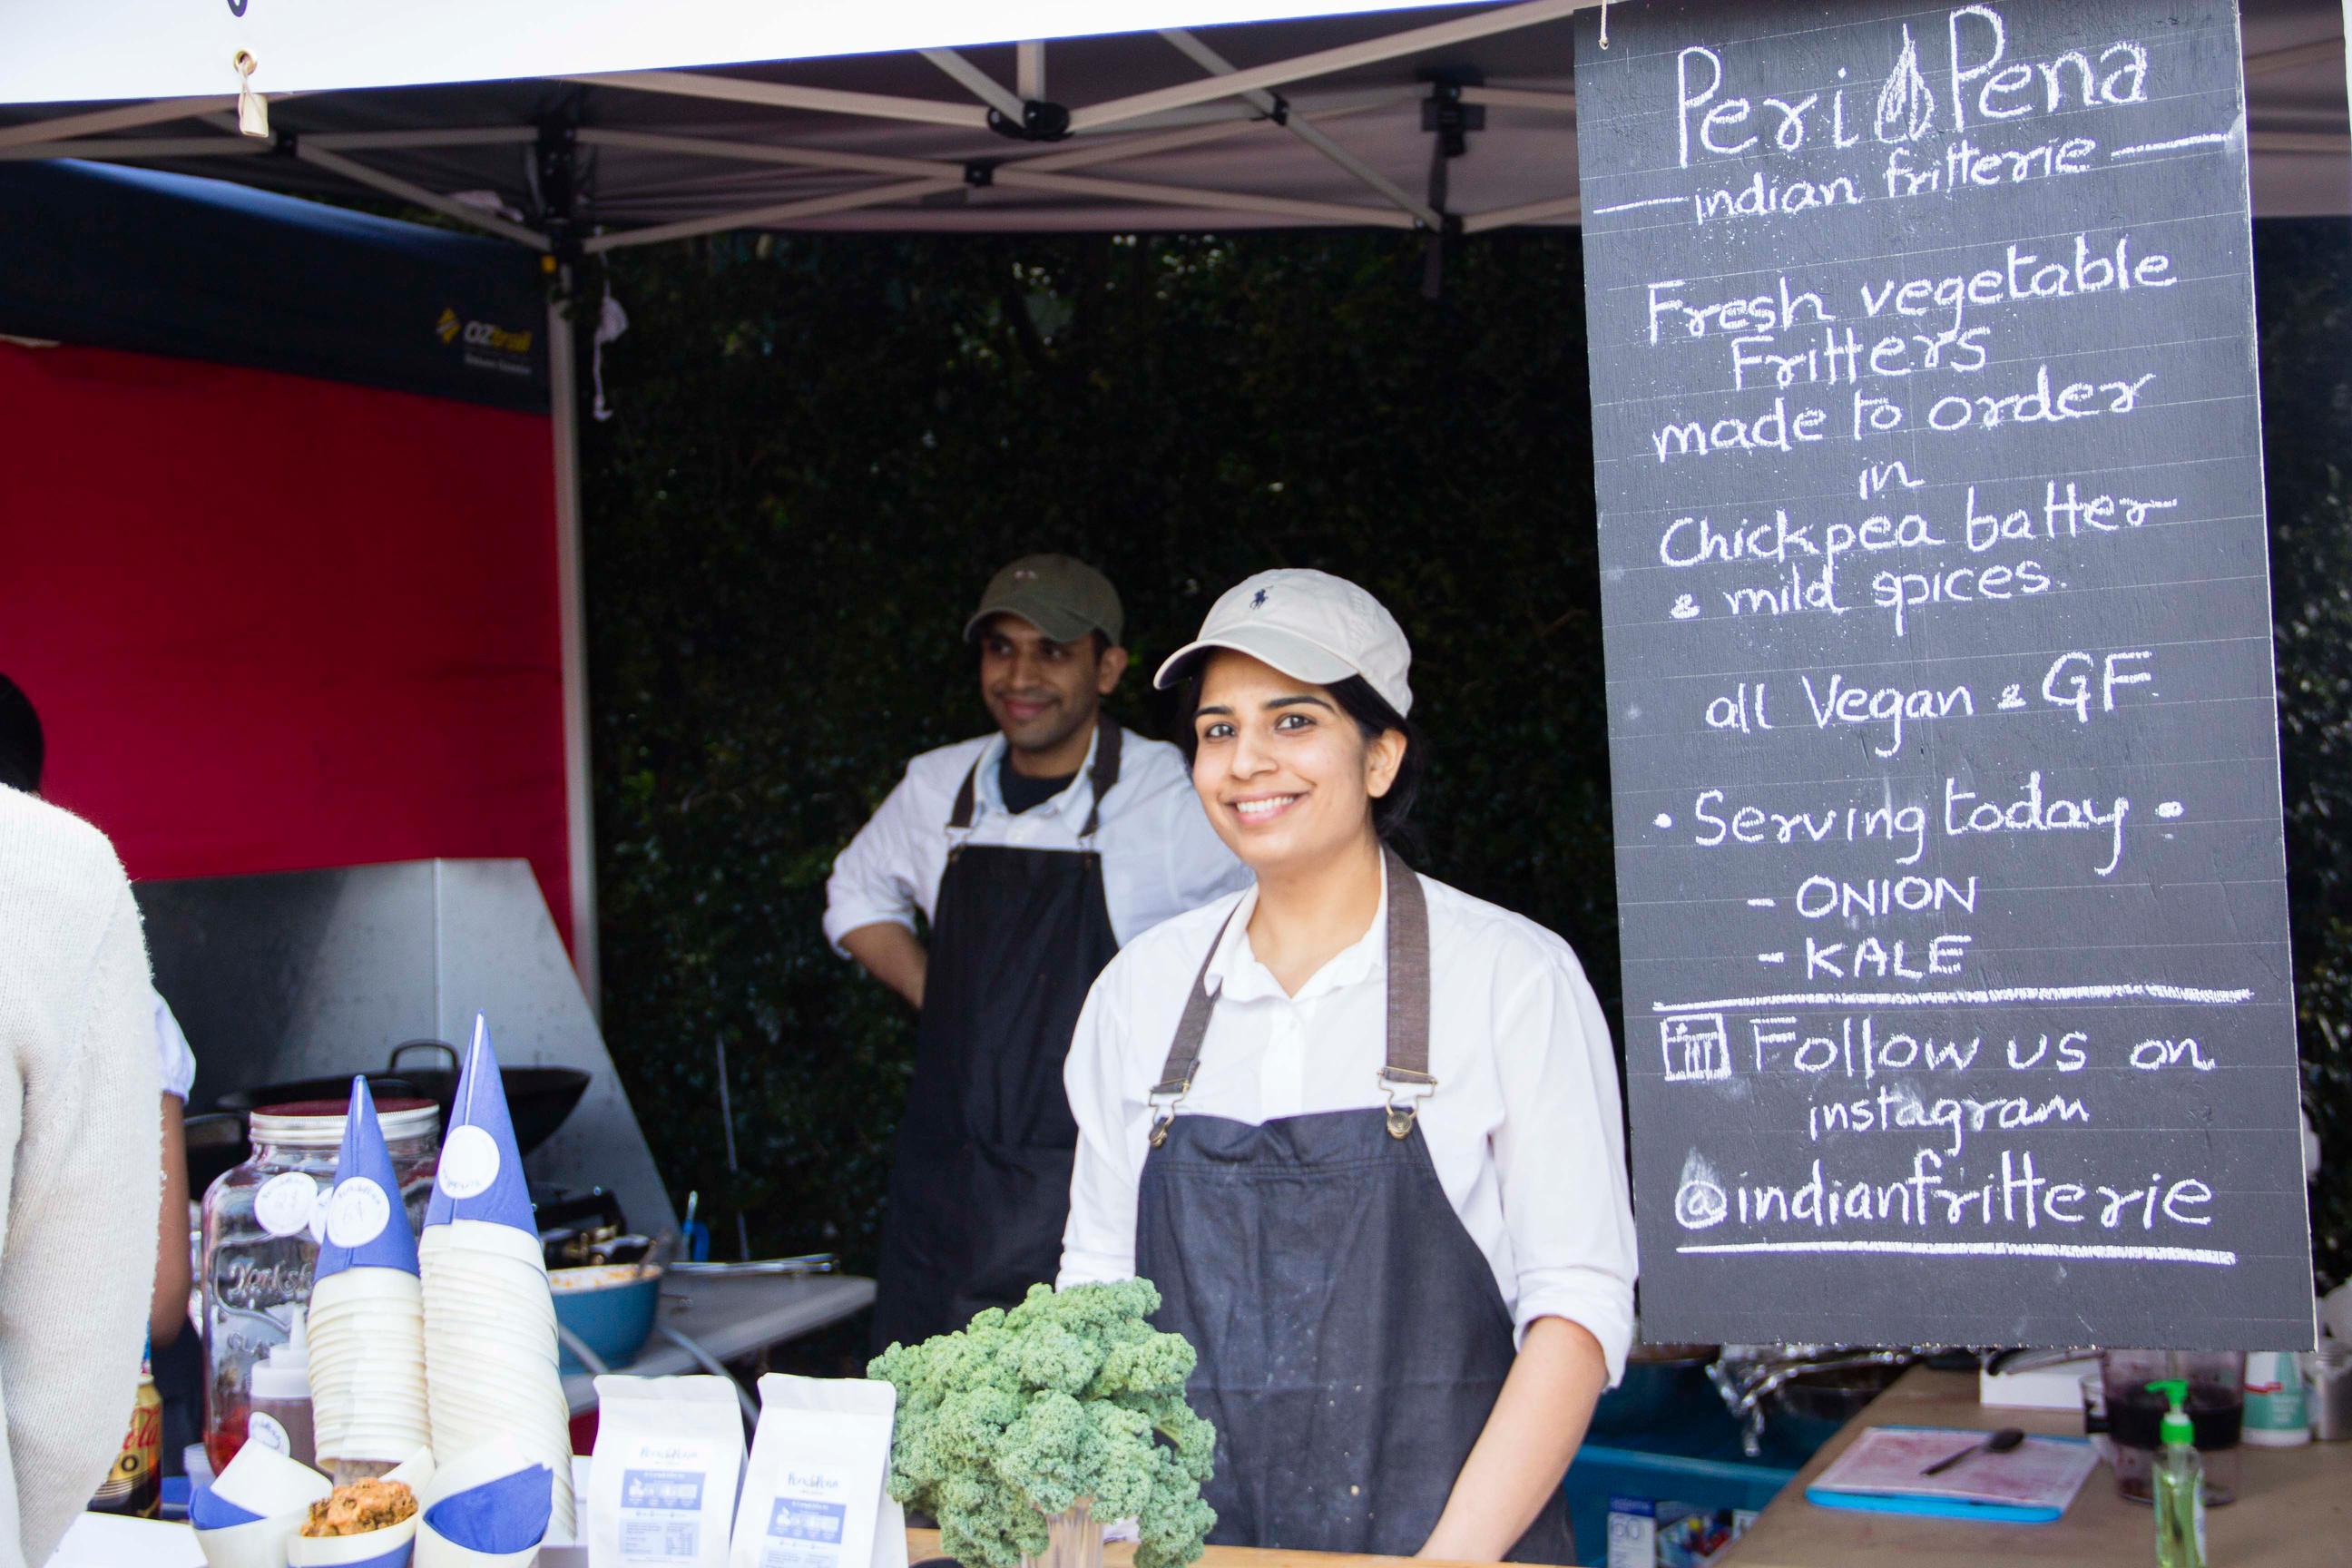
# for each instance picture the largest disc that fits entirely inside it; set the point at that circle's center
(607, 123)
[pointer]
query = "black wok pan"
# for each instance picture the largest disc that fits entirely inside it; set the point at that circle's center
(538, 1099)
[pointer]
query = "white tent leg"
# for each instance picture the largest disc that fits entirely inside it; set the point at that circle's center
(978, 82)
(407, 192)
(1208, 59)
(579, 804)
(1486, 24)
(1029, 71)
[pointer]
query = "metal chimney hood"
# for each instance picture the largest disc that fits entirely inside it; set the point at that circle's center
(306, 973)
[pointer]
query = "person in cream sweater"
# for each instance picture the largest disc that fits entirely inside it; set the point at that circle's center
(79, 1156)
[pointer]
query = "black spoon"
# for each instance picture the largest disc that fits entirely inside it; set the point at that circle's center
(2000, 1442)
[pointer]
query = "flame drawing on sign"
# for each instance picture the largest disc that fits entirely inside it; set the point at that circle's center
(1906, 108)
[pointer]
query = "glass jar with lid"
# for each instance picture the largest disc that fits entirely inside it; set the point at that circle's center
(262, 1225)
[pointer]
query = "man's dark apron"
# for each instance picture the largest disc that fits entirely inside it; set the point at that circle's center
(1352, 1340)
(979, 1189)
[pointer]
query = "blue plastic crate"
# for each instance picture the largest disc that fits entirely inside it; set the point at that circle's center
(1602, 1472)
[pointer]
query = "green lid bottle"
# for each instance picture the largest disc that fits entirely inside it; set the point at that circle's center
(2180, 1482)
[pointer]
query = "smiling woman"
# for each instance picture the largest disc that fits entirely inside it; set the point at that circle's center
(1375, 1135)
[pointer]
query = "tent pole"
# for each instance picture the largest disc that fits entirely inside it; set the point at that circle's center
(761, 217)
(1372, 51)
(1029, 71)
(110, 148)
(1533, 212)
(978, 82)
(1521, 97)
(122, 119)
(361, 174)
(1264, 102)
(782, 95)
(579, 815)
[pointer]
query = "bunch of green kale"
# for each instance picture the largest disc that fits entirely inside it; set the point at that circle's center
(1069, 1396)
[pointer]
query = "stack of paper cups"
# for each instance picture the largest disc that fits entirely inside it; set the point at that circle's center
(489, 1321)
(367, 1309)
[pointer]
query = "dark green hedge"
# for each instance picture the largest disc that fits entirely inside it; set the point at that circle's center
(824, 446)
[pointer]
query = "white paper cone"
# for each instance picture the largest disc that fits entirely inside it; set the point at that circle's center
(262, 1544)
(390, 1547)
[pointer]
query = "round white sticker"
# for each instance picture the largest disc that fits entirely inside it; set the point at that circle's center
(286, 1203)
(470, 1162)
(263, 1429)
(357, 1212)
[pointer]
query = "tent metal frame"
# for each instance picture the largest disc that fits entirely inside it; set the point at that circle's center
(1225, 101)
(1232, 99)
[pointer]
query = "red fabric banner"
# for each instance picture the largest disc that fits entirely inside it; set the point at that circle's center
(273, 623)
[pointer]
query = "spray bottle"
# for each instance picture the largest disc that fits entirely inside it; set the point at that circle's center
(2179, 1484)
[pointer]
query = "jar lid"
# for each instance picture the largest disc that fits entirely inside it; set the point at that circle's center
(319, 1123)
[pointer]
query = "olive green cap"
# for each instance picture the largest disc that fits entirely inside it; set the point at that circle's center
(1064, 598)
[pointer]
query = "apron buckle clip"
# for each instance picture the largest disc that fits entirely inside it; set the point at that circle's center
(1401, 1115)
(1165, 1111)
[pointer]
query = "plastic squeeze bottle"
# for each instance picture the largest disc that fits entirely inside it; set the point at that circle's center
(280, 1416)
(2179, 1484)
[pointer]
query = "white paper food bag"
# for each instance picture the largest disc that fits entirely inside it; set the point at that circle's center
(813, 1494)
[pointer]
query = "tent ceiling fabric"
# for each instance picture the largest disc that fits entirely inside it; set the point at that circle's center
(749, 147)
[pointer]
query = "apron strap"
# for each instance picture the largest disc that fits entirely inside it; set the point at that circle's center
(960, 818)
(1104, 774)
(1406, 1068)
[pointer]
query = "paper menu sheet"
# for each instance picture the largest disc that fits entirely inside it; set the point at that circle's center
(1885, 1461)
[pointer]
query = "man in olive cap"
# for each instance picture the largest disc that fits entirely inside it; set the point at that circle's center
(1033, 853)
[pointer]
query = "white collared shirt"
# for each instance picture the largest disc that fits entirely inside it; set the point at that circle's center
(1523, 1128)
(1160, 856)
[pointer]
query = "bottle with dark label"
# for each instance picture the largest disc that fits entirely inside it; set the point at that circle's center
(134, 1485)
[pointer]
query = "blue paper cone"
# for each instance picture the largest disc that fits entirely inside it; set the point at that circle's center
(367, 1227)
(481, 1169)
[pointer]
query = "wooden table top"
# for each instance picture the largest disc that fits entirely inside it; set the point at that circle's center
(2293, 1507)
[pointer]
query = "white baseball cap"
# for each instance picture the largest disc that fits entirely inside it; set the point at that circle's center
(1311, 627)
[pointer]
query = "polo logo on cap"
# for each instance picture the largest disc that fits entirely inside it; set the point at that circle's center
(1024, 575)
(1257, 600)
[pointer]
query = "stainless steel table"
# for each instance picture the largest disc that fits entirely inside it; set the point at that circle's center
(732, 1317)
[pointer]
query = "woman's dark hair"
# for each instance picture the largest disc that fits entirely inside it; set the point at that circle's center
(20, 739)
(1374, 716)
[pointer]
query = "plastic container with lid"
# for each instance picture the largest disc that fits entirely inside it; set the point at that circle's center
(262, 1222)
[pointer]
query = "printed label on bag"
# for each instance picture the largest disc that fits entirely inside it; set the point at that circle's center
(470, 1162)
(357, 1212)
(285, 1204)
(802, 1534)
(661, 1515)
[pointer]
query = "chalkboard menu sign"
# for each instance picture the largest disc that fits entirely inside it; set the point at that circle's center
(1942, 721)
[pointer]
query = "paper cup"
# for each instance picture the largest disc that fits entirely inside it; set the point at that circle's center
(477, 1235)
(352, 1285)
(262, 1544)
